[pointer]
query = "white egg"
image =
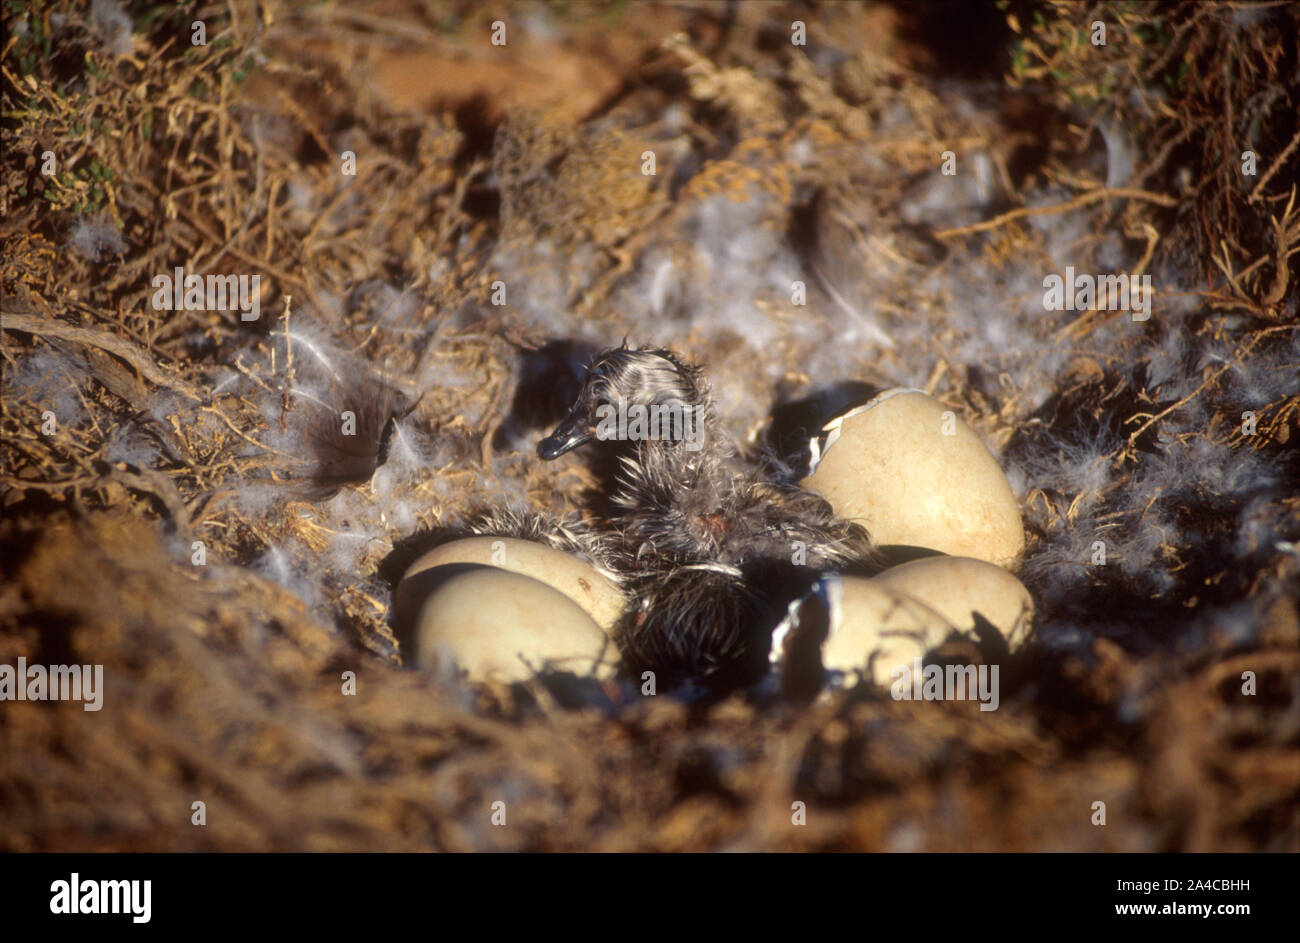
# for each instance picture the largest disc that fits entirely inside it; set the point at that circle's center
(869, 628)
(914, 474)
(955, 587)
(502, 626)
(596, 593)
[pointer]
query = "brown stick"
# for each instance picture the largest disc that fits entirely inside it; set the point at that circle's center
(117, 346)
(1209, 381)
(1258, 192)
(1083, 199)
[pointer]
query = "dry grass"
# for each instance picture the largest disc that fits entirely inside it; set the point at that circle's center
(225, 687)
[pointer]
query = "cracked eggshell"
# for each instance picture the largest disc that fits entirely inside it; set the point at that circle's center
(502, 626)
(914, 474)
(955, 587)
(876, 630)
(596, 593)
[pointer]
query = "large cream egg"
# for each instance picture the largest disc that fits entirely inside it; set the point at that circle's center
(872, 627)
(914, 474)
(956, 587)
(596, 593)
(502, 626)
(868, 628)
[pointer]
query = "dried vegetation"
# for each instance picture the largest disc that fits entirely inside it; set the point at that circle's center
(523, 165)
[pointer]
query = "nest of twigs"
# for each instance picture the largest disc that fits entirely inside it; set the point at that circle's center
(225, 683)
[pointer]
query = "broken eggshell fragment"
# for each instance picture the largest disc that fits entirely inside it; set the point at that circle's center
(501, 626)
(915, 475)
(595, 592)
(957, 587)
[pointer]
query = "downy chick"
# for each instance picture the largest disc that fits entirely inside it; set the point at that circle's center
(711, 553)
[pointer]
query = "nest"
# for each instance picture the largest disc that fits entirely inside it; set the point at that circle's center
(189, 522)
